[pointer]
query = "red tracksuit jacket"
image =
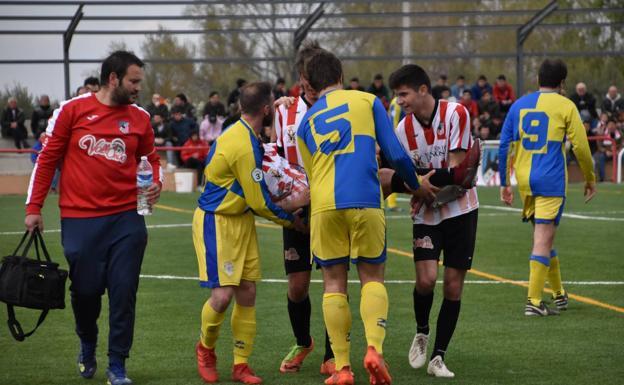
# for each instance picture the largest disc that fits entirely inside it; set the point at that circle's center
(99, 148)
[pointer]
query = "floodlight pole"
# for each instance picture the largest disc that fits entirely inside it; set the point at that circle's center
(522, 34)
(67, 38)
(302, 32)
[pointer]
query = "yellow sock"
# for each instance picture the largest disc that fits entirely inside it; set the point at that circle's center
(554, 274)
(537, 277)
(337, 317)
(374, 312)
(210, 324)
(244, 332)
(392, 200)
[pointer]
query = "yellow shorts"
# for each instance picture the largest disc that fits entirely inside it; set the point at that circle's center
(356, 234)
(226, 248)
(544, 210)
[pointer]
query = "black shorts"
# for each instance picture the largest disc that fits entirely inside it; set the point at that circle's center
(455, 236)
(296, 251)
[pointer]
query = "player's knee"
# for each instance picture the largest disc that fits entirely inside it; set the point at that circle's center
(453, 290)
(425, 285)
(297, 293)
(220, 299)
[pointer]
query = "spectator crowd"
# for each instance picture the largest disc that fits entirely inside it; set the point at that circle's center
(177, 124)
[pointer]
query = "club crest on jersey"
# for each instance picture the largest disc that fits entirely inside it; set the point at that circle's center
(441, 131)
(228, 268)
(290, 130)
(124, 126)
(114, 150)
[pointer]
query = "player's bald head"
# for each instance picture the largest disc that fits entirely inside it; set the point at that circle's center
(254, 96)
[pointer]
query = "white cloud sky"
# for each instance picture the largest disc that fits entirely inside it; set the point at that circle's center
(49, 78)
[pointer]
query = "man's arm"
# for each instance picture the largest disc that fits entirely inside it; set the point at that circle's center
(504, 157)
(248, 172)
(580, 145)
(391, 147)
(58, 136)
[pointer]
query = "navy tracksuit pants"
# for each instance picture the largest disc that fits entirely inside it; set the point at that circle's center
(105, 253)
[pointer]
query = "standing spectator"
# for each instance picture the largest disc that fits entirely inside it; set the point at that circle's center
(157, 106)
(503, 93)
(233, 118)
(104, 238)
(584, 101)
(181, 126)
(354, 84)
(13, 124)
(214, 116)
(457, 89)
(163, 137)
(612, 102)
(280, 88)
(235, 94)
(470, 104)
(488, 108)
(192, 157)
(379, 89)
(441, 86)
(92, 84)
(187, 108)
(478, 88)
(40, 116)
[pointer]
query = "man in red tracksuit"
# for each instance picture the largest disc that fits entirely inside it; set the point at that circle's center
(100, 137)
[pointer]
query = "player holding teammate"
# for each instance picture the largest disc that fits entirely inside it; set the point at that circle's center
(224, 233)
(533, 139)
(437, 135)
(297, 262)
(337, 144)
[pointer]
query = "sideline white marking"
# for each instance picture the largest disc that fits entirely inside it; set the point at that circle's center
(391, 281)
(575, 216)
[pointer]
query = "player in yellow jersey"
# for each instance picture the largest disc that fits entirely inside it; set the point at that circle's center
(533, 140)
(224, 233)
(337, 143)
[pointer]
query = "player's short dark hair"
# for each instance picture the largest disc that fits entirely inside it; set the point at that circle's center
(552, 72)
(322, 70)
(307, 50)
(410, 75)
(91, 81)
(254, 96)
(213, 93)
(118, 62)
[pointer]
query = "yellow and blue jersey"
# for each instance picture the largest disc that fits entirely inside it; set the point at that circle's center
(395, 112)
(534, 134)
(234, 178)
(337, 143)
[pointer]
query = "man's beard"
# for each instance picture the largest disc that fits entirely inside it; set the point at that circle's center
(122, 96)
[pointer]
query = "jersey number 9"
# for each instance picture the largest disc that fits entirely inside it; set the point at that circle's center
(535, 123)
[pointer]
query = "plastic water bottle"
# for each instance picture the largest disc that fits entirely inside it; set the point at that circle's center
(144, 181)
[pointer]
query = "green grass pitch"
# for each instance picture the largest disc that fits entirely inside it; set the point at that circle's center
(494, 342)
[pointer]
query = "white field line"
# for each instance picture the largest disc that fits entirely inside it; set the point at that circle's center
(390, 281)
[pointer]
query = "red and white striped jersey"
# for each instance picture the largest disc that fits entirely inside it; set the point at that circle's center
(287, 121)
(429, 147)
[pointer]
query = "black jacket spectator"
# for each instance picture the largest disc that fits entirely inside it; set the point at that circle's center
(13, 119)
(214, 107)
(40, 116)
(585, 102)
(379, 89)
(235, 94)
(158, 107)
(181, 126)
(613, 102)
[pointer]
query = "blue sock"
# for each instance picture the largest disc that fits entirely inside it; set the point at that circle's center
(116, 364)
(87, 350)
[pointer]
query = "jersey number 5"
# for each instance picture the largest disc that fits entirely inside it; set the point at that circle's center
(535, 123)
(325, 124)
